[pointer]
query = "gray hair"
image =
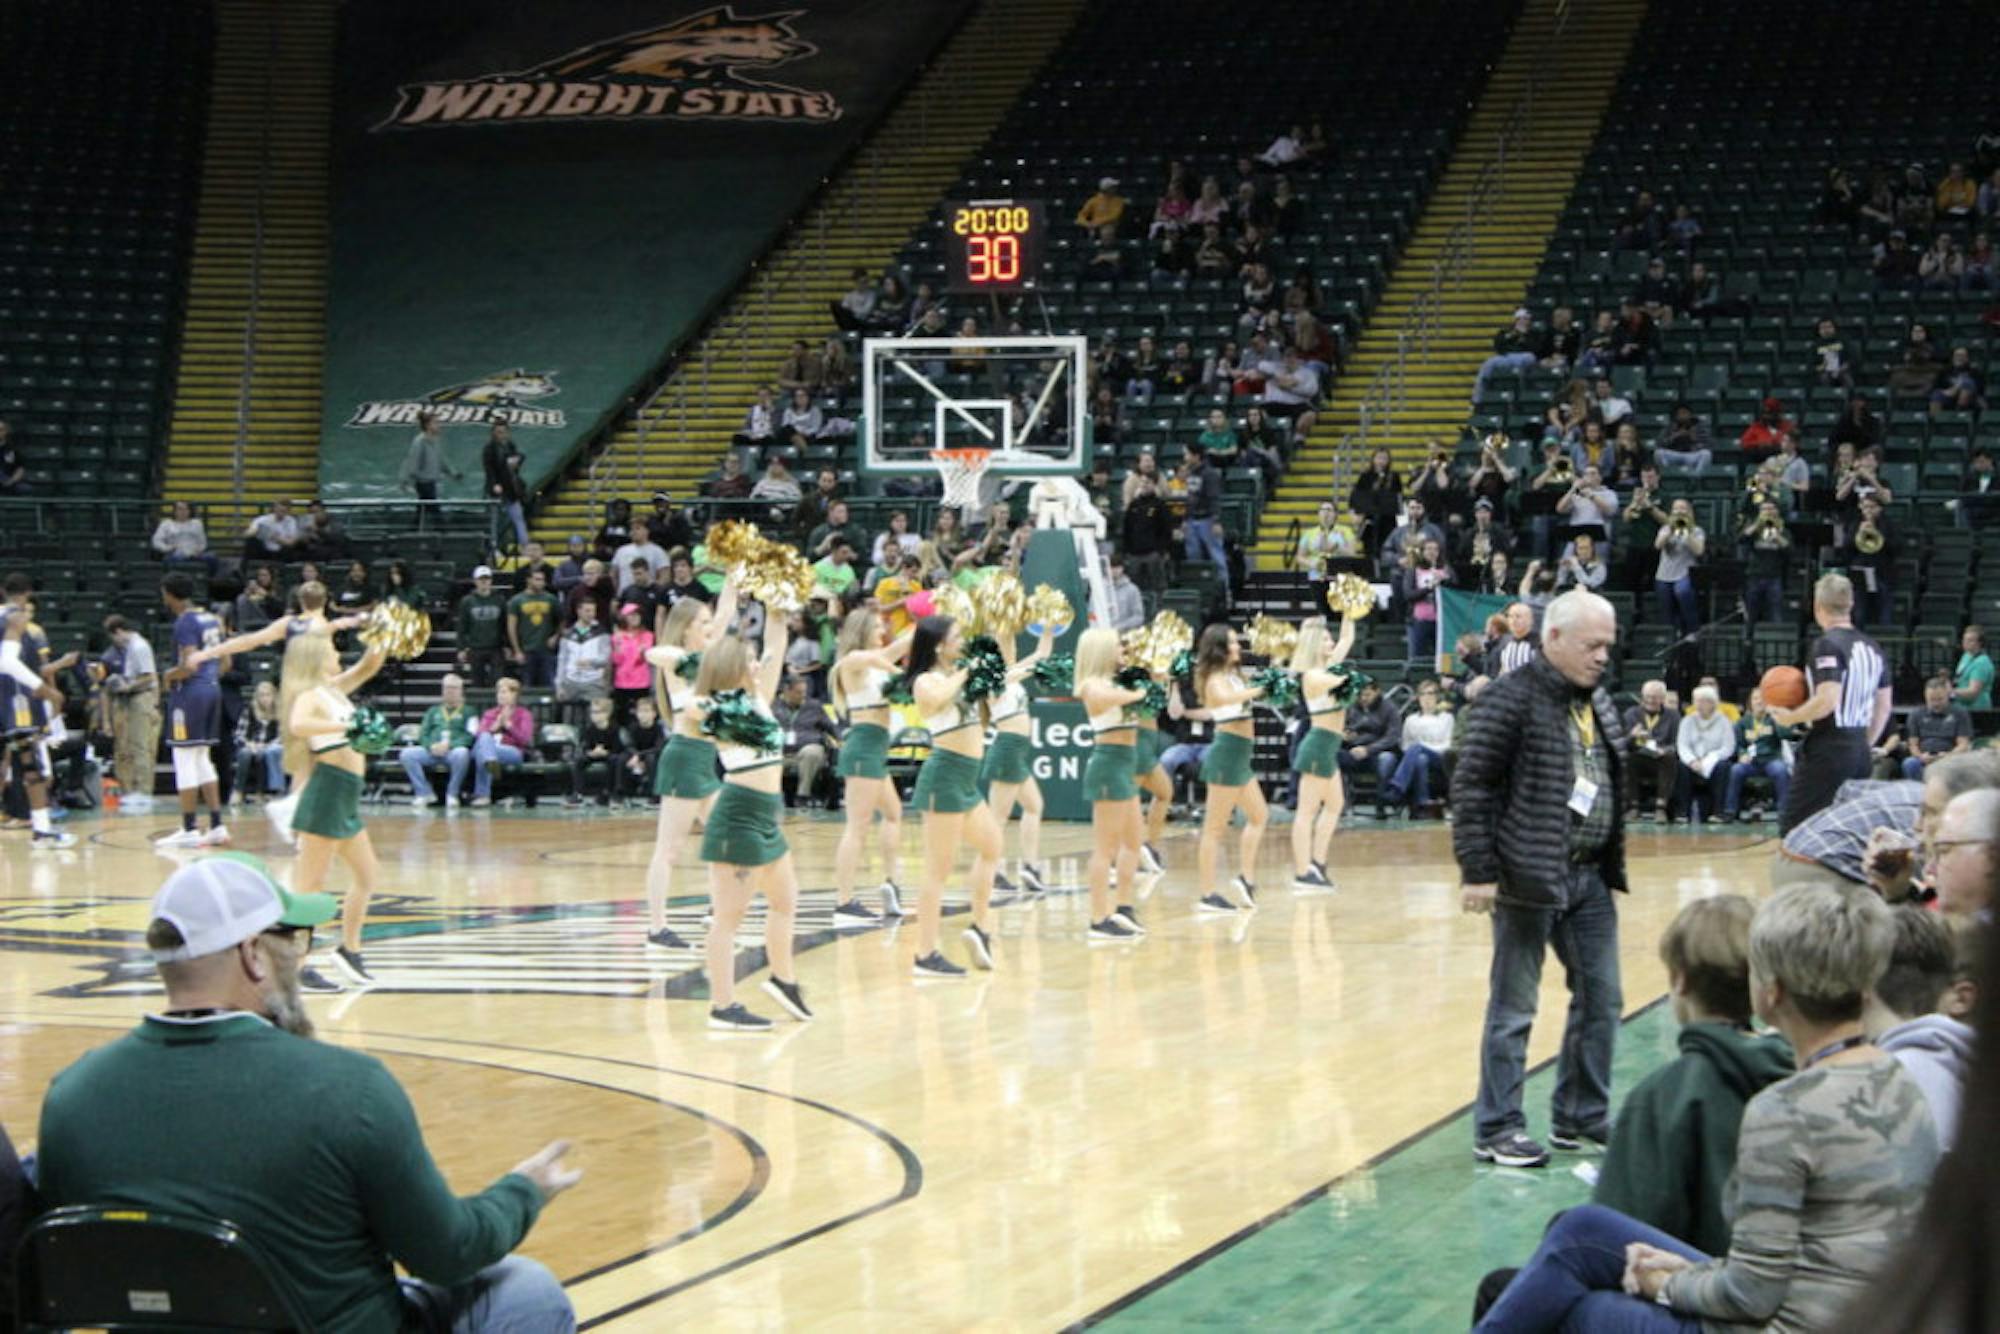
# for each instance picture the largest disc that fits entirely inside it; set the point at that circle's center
(1706, 693)
(1835, 592)
(1965, 772)
(1825, 944)
(451, 679)
(1572, 607)
(1980, 809)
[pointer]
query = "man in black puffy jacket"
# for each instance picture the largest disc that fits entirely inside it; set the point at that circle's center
(1540, 845)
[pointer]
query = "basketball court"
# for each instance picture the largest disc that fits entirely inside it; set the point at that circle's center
(1018, 1150)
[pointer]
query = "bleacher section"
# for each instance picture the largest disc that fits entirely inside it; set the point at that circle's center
(103, 108)
(1698, 122)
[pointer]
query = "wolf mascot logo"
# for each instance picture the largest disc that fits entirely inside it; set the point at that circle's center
(690, 69)
(503, 396)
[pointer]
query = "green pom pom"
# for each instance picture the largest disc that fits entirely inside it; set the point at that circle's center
(734, 719)
(1182, 667)
(688, 667)
(899, 692)
(1280, 687)
(1350, 689)
(369, 732)
(985, 669)
(1056, 674)
(1138, 678)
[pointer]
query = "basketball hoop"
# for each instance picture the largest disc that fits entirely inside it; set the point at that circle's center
(960, 470)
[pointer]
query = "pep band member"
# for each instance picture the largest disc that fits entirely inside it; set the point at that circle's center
(1232, 783)
(1008, 776)
(1110, 785)
(863, 668)
(746, 854)
(1317, 813)
(316, 710)
(684, 779)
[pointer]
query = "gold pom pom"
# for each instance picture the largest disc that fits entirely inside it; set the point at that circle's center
(1048, 607)
(1000, 605)
(948, 599)
(1272, 638)
(733, 543)
(776, 575)
(1154, 645)
(1350, 595)
(400, 631)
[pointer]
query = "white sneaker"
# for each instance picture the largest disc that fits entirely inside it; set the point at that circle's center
(136, 804)
(180, 838)
(451, 803)
(217, 837)
(419, 800)
(279, 813)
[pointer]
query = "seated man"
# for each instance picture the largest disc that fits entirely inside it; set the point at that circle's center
(444, 741)
(809, 739)
(1760, 753)
(1427, 735)
(1373, 729)
(1705, 741)
(225, 1105)
(1940, 728)
(1652, 765)
(1871, 833)
(1903, 1017)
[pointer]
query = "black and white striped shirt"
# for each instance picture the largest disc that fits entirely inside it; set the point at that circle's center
(1845, 655)
(1515, 654)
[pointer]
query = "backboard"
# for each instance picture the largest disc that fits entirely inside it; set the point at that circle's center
(1022, 397)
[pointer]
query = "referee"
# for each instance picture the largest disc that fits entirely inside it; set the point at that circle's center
(1847, 704)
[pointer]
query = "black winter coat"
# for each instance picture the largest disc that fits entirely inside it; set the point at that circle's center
(1510, 790)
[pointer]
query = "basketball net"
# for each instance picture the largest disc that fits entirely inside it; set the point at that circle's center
(961, 470)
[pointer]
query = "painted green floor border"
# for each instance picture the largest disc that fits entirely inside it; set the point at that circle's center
(1397, 1244)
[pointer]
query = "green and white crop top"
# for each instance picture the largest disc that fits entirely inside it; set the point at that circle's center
(680, 690)
(872, 693)
(952, 717)
(1324, 702)
(737, 758)
(1012, 703)
(1111, 720)
(1232, 713)
(341, 709)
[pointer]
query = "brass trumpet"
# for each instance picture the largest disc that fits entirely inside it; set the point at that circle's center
(1868, 539)
(1642, 503)
(1563, 469)
(1681, 525)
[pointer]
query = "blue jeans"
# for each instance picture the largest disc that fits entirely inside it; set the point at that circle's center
(1779, 772)
(1182, 757)
(1506, 361)
(416, 760)
(1384, 764)
(1202, 542)
(538, 667)
(1764, 600)
(1913, 769)
(1677, 604)
(1413, 777)
(487, 752)
(1584, 932)
(515, 1296)
(1422, 638)
(1575, 1280)
(273, 763)
(517, 516)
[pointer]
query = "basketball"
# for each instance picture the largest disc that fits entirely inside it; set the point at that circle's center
(1783, 687)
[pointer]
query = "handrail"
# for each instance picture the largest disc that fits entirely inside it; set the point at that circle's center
(262, 198)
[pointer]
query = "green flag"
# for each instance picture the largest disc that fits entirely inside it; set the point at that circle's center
(1462, 613)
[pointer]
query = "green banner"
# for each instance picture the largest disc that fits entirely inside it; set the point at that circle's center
(533, 204)
(1061, 735)
(1461, 613)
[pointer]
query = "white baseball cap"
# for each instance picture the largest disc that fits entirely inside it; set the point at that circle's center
(482, 572)
(221, 900)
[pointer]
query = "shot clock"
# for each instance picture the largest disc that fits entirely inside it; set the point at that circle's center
(994, 245)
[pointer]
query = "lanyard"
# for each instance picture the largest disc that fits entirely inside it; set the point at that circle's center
(1586, 723)
(1834, 1049)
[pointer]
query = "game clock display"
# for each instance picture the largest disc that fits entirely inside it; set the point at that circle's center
(995, 244)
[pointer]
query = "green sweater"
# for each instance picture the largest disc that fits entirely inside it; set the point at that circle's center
(481, 621)
(310, 1148)
(1673, 1145)
(439, 724)
(1761, 740)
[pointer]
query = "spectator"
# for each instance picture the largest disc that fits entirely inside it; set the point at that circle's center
(332, 1177)
(501, 740)
(1591, 449)
(1515, 348)
(631, 674)
(1942, 267)
(356, 594)
(1941, 727)
(1988, 197)
(1706, 744)
(1437, 487)
(1478, 543)
(1106, 262)
(1610, 406)
(809, 739)
(1410, 535)
(1146, 531)
(1673, 1147)
(640, 742)
(1330, 540)
(259, 603)
(1581, 566)
(1632, 343)
(1655, 287)
(1869, 554)
(1374, 731)
(1106, 208)
(583, 658)
(729, 483)
(1896, 264)
(1760, 753)
(1964, 855)
(1972, 677)
(1979, 272)
(1915, 373)
(180, 536)
(596, 747)
(398, 587)
(13, 468)
(803, 422)
(1211, 255)
(1858, 425)
(1831, 1163)
(812, 509)
(1288, 211)
(1640, 226)
(1589, 506)
(836, 528)
(615, 531)
(444, 742)
(1682, 233)
(836, 572)
(1680, 542)
(493, 461)
(1957, 196)
(778, 489)
(1375, 498)
(1652, 738)
(570, 573)
(855, 312)
(760, 423)
(1762, 434)
(274, 535)
(1769, 545)
(1903, 1019)
(1794, 475)
(1686, 441)
(533, 619)
(259, 748)
(425, 465)
(480, 622)
(132, 686)
(1423, 571)
(1426, 740)
(1204, 515)
(595, 587)
(1959, 386)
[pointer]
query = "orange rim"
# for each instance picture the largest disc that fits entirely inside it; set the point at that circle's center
(969, 457)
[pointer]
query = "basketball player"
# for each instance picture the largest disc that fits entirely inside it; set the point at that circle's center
(27, 702)
(1316, 815)
(1847, 707)
(194, 715)
(862, 670)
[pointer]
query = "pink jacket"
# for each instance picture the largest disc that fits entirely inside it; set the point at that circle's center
(629, 668)
(517, 729)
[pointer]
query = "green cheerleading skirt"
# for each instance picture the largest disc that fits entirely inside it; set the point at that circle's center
(948, 783)
(330, 806)
(686, 769)
(1110, 774)
(1152, 744)
(1010, 758)
(742, 829)
(1227, 763)
(864, 752)
(1319, 753)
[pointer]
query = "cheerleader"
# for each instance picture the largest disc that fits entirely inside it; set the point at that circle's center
(1008, 776)
(1110, 785)
(1232, 784)
(862, 669)
(316, 707)
(1148, 746)
(947, 792)
(684, 779)
(1317, 762)
(746, 854)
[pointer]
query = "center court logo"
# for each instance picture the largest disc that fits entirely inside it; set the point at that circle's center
(690, 69)
(502, 397)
